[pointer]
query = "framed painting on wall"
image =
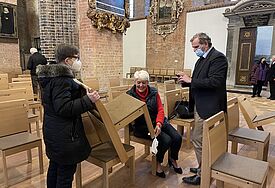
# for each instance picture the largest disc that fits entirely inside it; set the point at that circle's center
(8, 23)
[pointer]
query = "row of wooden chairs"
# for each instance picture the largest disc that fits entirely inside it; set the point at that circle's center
(159, 74)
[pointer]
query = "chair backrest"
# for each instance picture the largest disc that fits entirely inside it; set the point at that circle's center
(128, 81)
(163, 72)
(92, 83)
(233, 116)
(27, 85)
(169, 85)
(118, 90)
(24, 79)
(170, 72)
(13, 94)
(24, 75)
(14, 117)
(185, 93)
(114, 82)
(4, 81)
(150, 71)
(154, 84)
(170, 98)
(214, 138)
(247, 111)
(156, 71)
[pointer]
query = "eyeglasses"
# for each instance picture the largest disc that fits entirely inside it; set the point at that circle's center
(75, 56)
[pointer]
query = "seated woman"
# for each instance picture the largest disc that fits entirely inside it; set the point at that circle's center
(166, 134)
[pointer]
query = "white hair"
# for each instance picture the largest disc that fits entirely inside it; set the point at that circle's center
(33, 50)
(141, 75)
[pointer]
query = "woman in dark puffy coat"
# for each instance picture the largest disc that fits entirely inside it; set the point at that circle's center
(258, 76)
(63, 131)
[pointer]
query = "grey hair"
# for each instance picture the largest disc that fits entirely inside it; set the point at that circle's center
(203, 38)
(141, 75)
(33, 50)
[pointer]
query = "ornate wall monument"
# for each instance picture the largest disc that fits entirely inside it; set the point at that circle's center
(246, 15)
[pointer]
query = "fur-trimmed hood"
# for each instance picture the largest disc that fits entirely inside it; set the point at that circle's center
(53, 70)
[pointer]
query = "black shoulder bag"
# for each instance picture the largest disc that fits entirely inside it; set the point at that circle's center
(182, 110)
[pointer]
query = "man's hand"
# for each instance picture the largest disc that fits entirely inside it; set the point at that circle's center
(183, 78)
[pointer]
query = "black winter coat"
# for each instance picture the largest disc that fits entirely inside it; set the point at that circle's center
(63, 129)
(35, 60)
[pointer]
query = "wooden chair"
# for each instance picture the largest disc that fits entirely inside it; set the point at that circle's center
(170, 98)
(153, 84)
(4, 81)
(160, 77)
(114, 82)
(174, 77)
(118, 90)
(226, 167)
(21, 93)
(128, 81)
(106, 147)
(252, 119)
(94, 83)
(14, 135)
(169, 74)
(156, 72)
(131, 73)
(24, 75)
(34, 105)
(251, 137)
(169, 85)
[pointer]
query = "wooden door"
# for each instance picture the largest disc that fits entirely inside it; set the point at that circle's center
(246, 54)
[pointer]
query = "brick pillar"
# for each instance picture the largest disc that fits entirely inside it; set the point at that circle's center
(57, 25)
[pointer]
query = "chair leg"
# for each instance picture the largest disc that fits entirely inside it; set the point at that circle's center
(37, 127)
(154, 164)
(5, 169)
(146, 150)
(29, 155)
(132, 168)
(40, 155)
(234, 147)
(105, 176)
(78, 178)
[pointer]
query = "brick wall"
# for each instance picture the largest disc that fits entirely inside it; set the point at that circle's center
(139, 7)
(57, 25)
(168, 52)
(101, 51)
(9, 52)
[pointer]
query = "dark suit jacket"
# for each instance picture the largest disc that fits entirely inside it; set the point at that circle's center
(208, 85)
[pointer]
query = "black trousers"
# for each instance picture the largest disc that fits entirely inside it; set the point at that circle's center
(169, 138)
(257, 88)
(60, 176)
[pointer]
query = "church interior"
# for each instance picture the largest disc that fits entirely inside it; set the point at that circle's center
(115, 39)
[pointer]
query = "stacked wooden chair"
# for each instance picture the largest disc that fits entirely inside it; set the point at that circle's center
(170, 99)
(226, 167)
(113, 116)
(14, 134)
(251, 137)
(252, 119)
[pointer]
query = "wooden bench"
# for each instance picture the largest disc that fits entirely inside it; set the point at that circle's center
(170, 98)
(14, 135)
(226, 167)
(251, 137)
(252, 119)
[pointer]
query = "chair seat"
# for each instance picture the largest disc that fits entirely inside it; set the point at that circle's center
(144, 141)
(106, 152)
(242, 167)
(264, 116)
(250, 134)
(16, 140)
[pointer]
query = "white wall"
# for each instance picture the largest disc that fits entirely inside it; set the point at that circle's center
(134, 46)
(211, 22)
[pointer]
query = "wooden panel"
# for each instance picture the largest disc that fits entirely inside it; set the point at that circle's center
(232, 114)
(92, 83)
(25, 79)
(170, 98)
(12, 94)
(14, 117)
(4, 81)
(27, 85)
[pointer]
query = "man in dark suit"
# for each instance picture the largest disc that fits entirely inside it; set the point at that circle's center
(35, 59)
(208, 91)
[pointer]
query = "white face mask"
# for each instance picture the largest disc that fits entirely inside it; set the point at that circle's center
(76, 66)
